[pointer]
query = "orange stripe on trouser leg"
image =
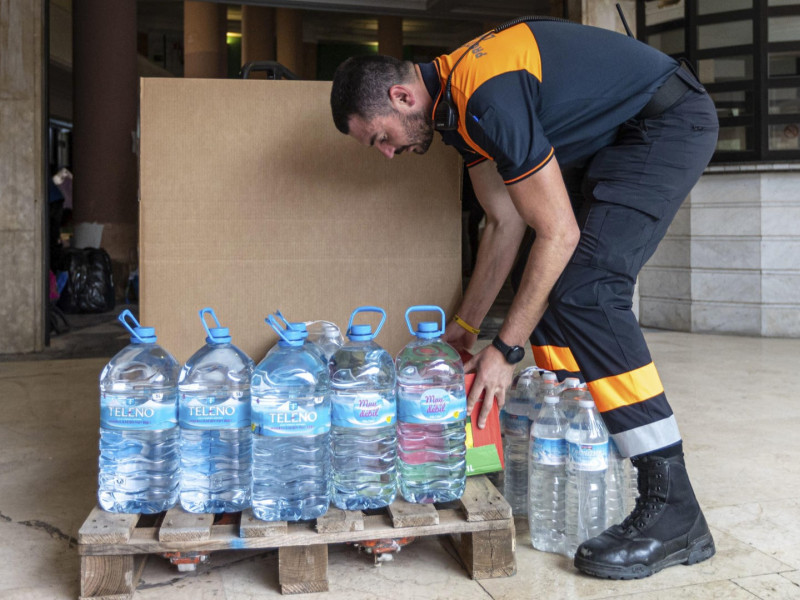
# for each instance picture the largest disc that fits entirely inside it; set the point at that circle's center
(626, 388)
(554, 358)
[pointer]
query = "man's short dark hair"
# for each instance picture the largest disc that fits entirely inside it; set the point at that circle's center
(361, 87)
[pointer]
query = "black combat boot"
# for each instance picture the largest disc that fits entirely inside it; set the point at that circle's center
(665, 528)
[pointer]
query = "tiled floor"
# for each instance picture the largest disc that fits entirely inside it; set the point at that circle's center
(735, 402)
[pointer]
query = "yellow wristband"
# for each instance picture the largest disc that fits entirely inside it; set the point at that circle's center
(465, 325)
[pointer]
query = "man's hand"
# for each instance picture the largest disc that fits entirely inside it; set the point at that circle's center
(493, 377)
(458, 337)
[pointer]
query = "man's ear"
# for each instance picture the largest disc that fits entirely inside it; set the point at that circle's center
(401, 97)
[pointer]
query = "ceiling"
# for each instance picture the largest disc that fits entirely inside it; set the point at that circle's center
(444, 23)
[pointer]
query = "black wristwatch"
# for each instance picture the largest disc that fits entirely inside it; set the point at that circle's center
(512, 354)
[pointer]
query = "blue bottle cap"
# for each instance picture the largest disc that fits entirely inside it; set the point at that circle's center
(360, 333)
(219, 335)
(290, 335)
(146, 335)
(427, 330)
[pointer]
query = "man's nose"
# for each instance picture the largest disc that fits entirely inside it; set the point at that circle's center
(386, 150)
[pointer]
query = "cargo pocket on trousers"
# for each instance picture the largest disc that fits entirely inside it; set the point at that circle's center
(614, 238)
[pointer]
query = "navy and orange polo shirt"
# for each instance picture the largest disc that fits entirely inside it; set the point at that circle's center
(545, 88)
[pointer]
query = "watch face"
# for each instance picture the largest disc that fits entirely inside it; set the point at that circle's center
(515, 355)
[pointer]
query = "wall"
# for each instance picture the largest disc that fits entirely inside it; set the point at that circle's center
(21, 176)
(729, 263)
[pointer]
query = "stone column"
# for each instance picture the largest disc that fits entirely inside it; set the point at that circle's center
(390, 36)
(289, 38)
(258, 33)
(204, 42)
(22, 191)
(603, 13)
(106, 100)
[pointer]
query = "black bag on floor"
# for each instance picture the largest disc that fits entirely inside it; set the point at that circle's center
(90, 286)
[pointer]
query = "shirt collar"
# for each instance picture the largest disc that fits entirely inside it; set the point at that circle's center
(430, 76)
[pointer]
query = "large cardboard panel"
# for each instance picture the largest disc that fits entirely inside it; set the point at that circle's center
(252, 201)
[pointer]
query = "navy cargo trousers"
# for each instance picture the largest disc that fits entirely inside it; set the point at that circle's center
(624, 199)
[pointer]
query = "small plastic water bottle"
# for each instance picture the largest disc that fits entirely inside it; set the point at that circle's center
(214, 416)
(515, 427)
(570, 383)
(291, 420)
(139, 439)
(548, 477)
(526, 385)
(587, 444)
(431, 415)
(571, 396)
(547, 385)
(363, 419)
(621, 485)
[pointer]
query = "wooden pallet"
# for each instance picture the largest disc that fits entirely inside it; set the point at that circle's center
(114, 547)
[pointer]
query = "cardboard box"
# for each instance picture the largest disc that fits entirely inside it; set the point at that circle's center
(252, 201)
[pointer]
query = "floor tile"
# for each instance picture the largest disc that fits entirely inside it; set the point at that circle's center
(553, 577)
(770, 587)
(770, 527)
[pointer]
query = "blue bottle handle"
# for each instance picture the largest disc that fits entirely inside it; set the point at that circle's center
(299, 326)
(374, 309)
(127, 314)
(273, 322)
(423, 308)
(211, 336)
(209, 311)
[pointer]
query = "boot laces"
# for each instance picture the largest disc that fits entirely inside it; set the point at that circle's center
(649, 502)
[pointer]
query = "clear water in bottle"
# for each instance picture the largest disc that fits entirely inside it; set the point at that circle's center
(214, 417)
(431, 416)
(587, 462)
(548, 478)
(139, 439)
(363, 420)
(291, 416)
(548, 385)
(621, 486)
(515, 428)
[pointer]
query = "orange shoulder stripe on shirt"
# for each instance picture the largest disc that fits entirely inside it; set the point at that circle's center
(554, 358)
(513, 49)
(626, 388)
(534, 169)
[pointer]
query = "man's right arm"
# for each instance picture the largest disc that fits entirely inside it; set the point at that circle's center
(500, 241)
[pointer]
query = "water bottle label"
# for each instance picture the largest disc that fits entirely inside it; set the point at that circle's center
(290, 418)
(362, 410)
(589, 457)
(157, 413)
(202, 413)
(548, 451)
(435, 405)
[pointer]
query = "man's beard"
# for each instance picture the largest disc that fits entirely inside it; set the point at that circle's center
(418, 128)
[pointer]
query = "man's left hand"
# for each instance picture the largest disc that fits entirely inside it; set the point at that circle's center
(493, 377)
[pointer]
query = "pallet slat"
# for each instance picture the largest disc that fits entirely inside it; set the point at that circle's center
(338, 520)
(482, 502)
(252, 527)
(103, 527)
(182, 526)
(406, 514)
